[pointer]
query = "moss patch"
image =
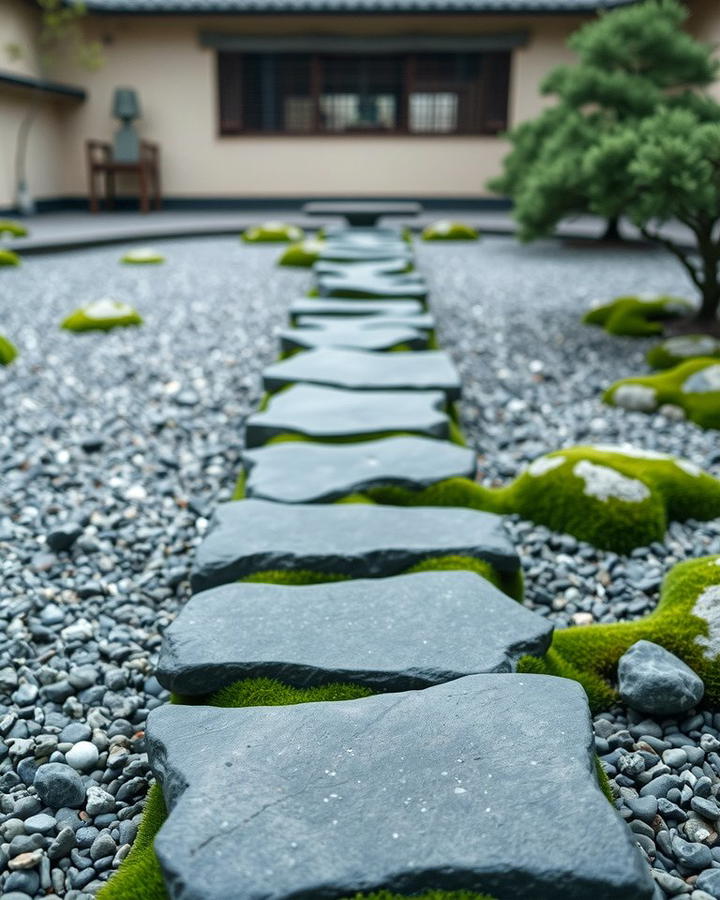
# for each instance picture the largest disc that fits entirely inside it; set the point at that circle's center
(8, 258)
(142, 256)
(637, 316)
(102, 315)
(697, 395)
(8, 351)
(273, 233)
(449, 231)
(685, 622)
(13, 229)
(140, 877)
(302, 255)
(677, 350)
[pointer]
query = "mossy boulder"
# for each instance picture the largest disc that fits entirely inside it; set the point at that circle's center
(449, 231)
(677, 350)
(638, 316)
(102, 315)
(8, 351)
(12, 229)
(273, 233)
(691, 389)
(686, 622)
(8, 258)
(302, 255)
(143, 256)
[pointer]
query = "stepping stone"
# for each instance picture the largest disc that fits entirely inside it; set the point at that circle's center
(325, 413)
(353, 539)
(417, 630)
(405, 287)
(310, 306)
(365, 269)
(360, 370)
(349, 252)
(421, 322)
(381, 338)
(303, 472)
(367, 237)
(487, 780)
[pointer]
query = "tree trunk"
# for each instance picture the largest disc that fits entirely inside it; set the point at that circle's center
(612, 229)
(710, 287)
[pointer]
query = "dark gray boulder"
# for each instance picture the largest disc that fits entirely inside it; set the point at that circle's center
(323, 306)
(383, 337)
(417, 630)
(484, 783)
(305, 472)
(326, 413)
(356, 540)
(653, 680)
(360, 370)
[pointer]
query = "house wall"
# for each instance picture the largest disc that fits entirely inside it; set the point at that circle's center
(704, 24)
(175, 77)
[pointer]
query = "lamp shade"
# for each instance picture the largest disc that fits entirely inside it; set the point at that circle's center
(126, 104)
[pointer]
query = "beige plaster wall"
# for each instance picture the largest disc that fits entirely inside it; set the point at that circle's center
(704, 24)
(176, 80)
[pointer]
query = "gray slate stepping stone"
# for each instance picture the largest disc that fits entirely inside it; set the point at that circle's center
(484, 783)
(408, 286)
(365, 268)
(361, 370)
(327, 413)
(382, 338)
(340, 308)
(353, 539)
(393, 634)
(303, 472)
(424, 322)
(349, 252)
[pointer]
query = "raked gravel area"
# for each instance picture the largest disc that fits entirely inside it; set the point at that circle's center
(119, 446)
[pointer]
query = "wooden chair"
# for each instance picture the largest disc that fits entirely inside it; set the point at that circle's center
(147, 168)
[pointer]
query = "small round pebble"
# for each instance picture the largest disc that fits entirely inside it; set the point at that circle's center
(82, 756)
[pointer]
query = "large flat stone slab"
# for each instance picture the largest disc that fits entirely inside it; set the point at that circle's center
(348, 284)
(417, 630)
(327, 413)
(424, 322)
(486, 783)
(366, 268)
(340, 308)
(354, 539)
(356, 337)
(351, 252)
(304, 472)
(361, 370)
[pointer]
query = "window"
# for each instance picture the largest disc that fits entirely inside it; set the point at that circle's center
(420, 93)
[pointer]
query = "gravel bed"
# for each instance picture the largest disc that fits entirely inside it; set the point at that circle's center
(114, 450)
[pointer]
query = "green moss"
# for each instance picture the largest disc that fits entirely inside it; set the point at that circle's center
(13, 229)
(8, 258)
(677, 350)
(140, 877)
(302, 255)
(703, 408)
(637, 316)
(454, 434)
(449, 231)
(102, 315)
(142, 256)
(8, 351)
(604, 781)
(590, 654)
(273, 233)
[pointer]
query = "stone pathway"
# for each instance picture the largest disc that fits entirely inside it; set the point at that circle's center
(460, 774)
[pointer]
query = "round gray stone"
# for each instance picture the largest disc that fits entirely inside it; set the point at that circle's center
(59, 785)
(653, 680)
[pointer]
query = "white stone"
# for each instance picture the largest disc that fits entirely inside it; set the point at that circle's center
(635, 397)
(672, 411)
(143, 253)
(640, 453)
(107, 308)
(82, 756)
(704, 381)
(707, 607)
(442, 227)
(605, 483)
(688, 345)
(544, 464)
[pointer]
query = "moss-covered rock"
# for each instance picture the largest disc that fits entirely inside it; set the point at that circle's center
(302, 255)
(273, 232)
(12, 229)
(143, 256)
(8, 258)
(686, 622)
(692, 387)
(102, 315)
(8, 351)
(677, 350)
(449, 231)
(638, 316)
